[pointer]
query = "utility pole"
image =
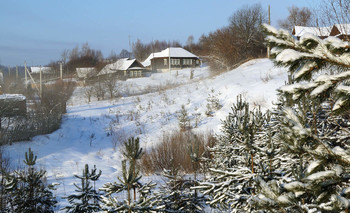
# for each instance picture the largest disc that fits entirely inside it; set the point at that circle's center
(25, 73)
(16, 73)
(40, 84)
(9, 71)
(268, 47)
(169, 62)
(61, 71)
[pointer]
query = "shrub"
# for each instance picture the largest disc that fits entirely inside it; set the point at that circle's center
(174, 152)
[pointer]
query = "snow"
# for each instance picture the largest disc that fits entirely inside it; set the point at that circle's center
(317, 31)
(283, 199)
(312, 166)
(339, 104)
(294, 186)
(343, 88)
(309, 36)
(13, 97)
(343, 28)
(307, 67)
(289, 55)
(92, 132)
(336, 42)
(321, 175)
(321, 88)
(270, 28)
(43, 69)
(85, 72)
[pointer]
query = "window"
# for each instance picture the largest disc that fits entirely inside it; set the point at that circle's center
(197, 62)
(190, 60)
(165, 61)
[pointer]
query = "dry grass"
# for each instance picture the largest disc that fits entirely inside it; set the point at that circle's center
(173, 152)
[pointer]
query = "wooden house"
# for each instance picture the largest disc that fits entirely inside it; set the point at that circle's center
(46, 72)
(125, 67)
(341, 31)
(172, 58)
(86, 72)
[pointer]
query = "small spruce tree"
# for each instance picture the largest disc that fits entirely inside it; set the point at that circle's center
(130, 180)
(236, 158)
(27, 189)
(88, 199)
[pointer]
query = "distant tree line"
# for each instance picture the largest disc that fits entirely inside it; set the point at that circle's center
(224, 48)
(141, 50)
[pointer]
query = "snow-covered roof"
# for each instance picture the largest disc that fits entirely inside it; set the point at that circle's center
(175, 52)
(85, 72)
(43, 69)
(121, 64)
(344, 29)
(317, 31)
(13, 97)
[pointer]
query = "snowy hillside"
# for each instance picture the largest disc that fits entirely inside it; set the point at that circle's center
(90, 133)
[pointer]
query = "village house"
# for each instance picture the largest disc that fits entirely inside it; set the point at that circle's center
(84, 73)
(44, 70)
(124, 67)
(341, 31)
(172, 58)
(322, 32)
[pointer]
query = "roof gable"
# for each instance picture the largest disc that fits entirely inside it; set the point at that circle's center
(342, 29)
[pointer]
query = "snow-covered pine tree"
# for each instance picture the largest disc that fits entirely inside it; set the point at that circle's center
(133, 152)
(184, 119)
(314, 127)
(130, 180)
(27, 190)
(177, 195)
(308, 59)
(87, 199)
(236, 159)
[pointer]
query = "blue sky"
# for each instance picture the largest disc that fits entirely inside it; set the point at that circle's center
(39, 30)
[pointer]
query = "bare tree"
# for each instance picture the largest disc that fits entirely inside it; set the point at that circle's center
(189, 43)
(88, 92)
(125, 54)
(64, 56)
(111, 84)
(330, 12)
(297, 17)
(99, 90)
(242, 39)
(113, 56)
(141, 51)
(246, 24)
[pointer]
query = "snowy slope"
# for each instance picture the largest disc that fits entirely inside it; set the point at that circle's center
(90, 133)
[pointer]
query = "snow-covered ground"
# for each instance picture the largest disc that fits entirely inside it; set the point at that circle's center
(91, 133)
